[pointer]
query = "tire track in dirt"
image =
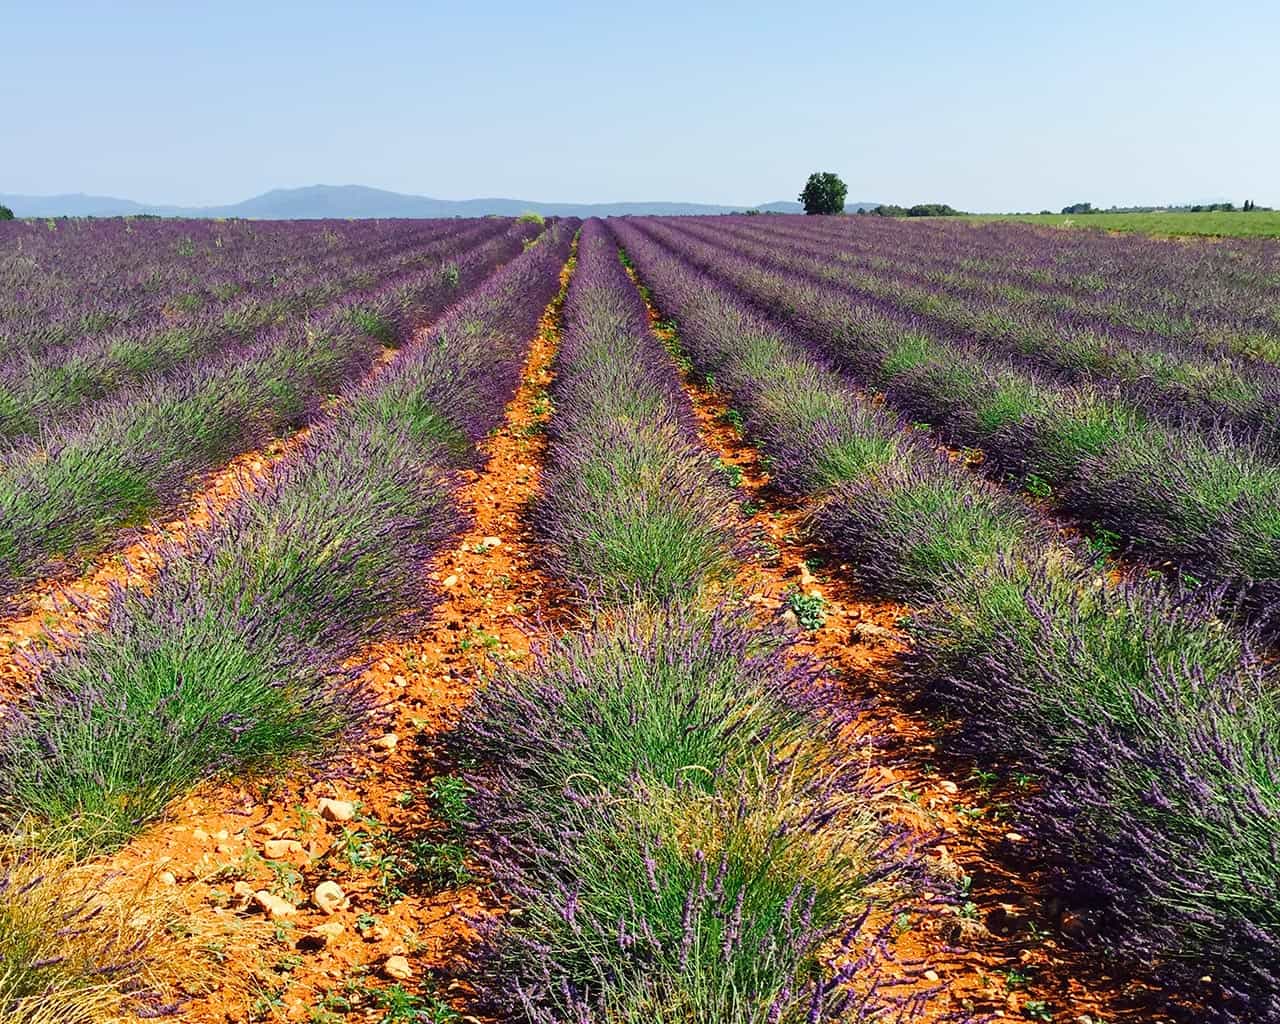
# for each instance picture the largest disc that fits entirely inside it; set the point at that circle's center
(999, 952)
(385, 928)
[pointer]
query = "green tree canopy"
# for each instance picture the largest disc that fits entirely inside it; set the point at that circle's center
(824, 193)
(5, 213)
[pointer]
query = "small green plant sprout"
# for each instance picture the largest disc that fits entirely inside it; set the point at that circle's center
(731, 473)
(1104, 544)
(400, 1005)
(810, 610)
(1037, 1009)
(450, 794)
(733, 418)
(440, 858)
(986, 780)
(1015, 979)
(1037, 486)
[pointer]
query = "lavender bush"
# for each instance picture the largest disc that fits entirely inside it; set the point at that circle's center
(664, 799)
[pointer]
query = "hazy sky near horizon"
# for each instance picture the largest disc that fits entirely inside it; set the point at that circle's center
(985, 105)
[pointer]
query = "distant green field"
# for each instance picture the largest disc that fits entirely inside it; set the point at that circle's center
(1259, 223)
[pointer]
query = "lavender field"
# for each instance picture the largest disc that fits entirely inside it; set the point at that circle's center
(732, 620)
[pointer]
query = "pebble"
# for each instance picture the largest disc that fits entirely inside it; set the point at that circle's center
(336, 810)
(449, 581)
(865, 631)
(278, 849)
(167, 878)
(931, 975)
(492, 542)
(274, 907)
(329, 897)
(397, 968)
(387, 742)
(199, 835)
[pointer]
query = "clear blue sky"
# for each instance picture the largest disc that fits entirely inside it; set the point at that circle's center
(988, 106)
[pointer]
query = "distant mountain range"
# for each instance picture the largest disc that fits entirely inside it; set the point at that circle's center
(315, 201)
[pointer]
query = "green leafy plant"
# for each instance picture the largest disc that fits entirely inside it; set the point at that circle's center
(1104, 544)
(401, 1005)
(810, 610)
(1038, 487)
(731, 473)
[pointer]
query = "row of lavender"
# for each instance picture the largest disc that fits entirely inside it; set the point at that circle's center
(137, 453)
(1203, 503)
(1219, 297)
(1169, 378)
(80, 279)
(664, 794)
(46, 387)
(1151, 724)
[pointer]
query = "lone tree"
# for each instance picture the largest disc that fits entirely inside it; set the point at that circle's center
(824, 193)
(5, 213)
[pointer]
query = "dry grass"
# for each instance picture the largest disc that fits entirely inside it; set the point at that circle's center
(82, 943)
